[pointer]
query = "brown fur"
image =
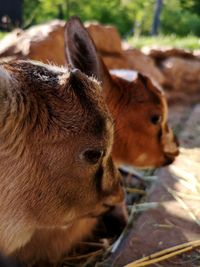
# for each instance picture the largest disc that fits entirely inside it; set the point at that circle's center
(58, 240)
(137, 140)
(49, 117)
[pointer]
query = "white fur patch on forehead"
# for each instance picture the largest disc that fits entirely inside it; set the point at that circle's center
(132, 75)
(129, 75)
(53, 68)
(61, 70)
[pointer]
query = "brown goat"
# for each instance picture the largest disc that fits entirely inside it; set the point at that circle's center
(142, 136)
(139, 108)
(56, 138)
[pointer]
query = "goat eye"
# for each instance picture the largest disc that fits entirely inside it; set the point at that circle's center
(93, 156)
(156, 119)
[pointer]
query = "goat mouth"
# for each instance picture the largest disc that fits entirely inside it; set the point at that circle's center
(93, 214)
(169, 159)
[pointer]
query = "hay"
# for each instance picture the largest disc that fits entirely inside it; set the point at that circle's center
(165, 254)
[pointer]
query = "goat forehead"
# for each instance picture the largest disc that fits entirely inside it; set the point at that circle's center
(79, 106)
(52, 69)
(38, 71)
(132, 75)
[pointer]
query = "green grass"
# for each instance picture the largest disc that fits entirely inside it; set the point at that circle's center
(188, 42)
(2, 34)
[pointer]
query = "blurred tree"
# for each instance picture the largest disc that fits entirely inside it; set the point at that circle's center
(140, 15)
(39, 11)
(156, 19)
(60, 11)
(191, 5)
(130, 16)
(105, 11)
(178, 19)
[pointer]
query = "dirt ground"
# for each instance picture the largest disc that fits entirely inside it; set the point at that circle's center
(176, 218)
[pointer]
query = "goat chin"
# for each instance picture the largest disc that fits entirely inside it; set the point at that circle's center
(50, 245)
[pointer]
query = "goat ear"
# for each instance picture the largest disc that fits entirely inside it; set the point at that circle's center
(149, 89)
(81, 53)
(142, 78)
(80, 50)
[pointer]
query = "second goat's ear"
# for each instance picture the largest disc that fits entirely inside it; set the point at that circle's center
(80, 50)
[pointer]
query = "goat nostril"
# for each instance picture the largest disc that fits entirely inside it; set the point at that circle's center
(169, 159)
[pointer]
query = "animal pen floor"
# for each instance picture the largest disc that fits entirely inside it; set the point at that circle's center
(171, 206)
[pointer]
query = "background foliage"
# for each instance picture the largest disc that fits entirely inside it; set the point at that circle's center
(180, 17)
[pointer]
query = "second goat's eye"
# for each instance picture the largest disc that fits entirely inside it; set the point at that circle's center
(156, 119)
(93, 156)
